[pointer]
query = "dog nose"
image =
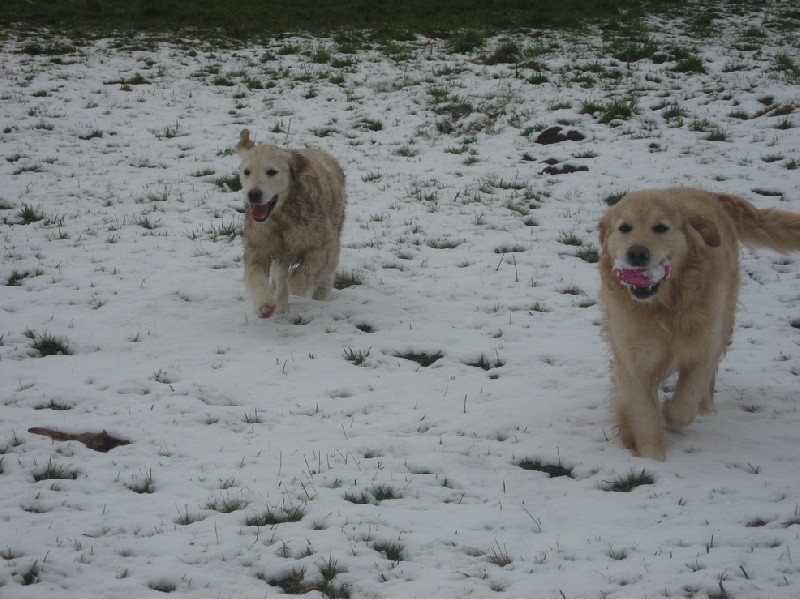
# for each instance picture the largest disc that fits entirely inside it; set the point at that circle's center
(638, 255)
(255, 196)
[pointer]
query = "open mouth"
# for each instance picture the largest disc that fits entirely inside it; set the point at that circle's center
(643, 283)
(262, 212)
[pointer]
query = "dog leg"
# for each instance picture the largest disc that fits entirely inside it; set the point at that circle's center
(639, 418)
(326, 275)
(694, 393)
(256, 279)
(280, 281)
(322, 289)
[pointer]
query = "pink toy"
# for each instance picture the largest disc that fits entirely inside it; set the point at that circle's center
(642, 277)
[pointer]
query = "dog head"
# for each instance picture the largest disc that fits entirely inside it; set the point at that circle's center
(266, 173)
(649, 236)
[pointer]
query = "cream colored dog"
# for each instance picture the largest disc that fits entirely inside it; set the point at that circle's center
(294, 212)
(670, 276)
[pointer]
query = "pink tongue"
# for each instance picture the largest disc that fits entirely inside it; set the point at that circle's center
(636, 277)
(260, 211)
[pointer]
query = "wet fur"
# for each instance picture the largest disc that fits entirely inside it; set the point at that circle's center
(687, 326)
(296, 250)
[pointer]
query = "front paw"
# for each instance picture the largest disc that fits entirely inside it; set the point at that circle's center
(676, 416)
(265, 310)
(652, 451)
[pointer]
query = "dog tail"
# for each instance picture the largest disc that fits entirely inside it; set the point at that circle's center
(775, 229)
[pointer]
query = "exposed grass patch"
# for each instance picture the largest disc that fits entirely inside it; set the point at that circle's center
(16, 277)
(394, 551)
(343, 280)
(46, 344)
(510, 249)
(273, 517)
(226, 504)
(424, 359)
(384, 493)
(589, 254)
(612, 199)
(357, 357)
(630, 482)
(486, 364)
(53, 405)
(443, 243)
(145, 485)
(570, 239)
(54, 471)
(28, 215)
(466, 42)
(359, 499)
(552, 470)
(621, 109)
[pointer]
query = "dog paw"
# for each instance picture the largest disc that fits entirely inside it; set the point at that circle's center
(265, 310)
(675, 416)
(655, 452)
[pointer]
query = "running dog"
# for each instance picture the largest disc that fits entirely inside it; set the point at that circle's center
(669, 269)
(294, 213)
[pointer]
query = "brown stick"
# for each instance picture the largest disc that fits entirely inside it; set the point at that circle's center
(102, 442)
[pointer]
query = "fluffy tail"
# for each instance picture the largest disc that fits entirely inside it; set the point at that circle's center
(774, 229)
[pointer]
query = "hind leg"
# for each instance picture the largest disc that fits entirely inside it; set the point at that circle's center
(322, 289)
(323, 282)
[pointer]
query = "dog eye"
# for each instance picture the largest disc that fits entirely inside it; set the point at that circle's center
(271, 172)
(247, 172)
(660, 228)
(625, 228)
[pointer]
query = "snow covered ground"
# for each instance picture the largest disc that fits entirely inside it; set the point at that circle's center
(308, 453)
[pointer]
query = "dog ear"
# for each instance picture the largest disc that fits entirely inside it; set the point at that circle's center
(603, 227)
(707, 229)
(245, 143)
(298, 164)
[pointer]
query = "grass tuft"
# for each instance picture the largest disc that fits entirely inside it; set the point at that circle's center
(271, 518)
(357, 357)
(54, 472)
(629, 483)
(343, 280)
(424, 359)
(552, 470)
(47, 344)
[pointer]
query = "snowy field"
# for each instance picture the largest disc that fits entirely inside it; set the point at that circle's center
(396, 441)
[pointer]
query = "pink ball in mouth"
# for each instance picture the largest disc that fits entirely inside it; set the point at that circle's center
(642, 277)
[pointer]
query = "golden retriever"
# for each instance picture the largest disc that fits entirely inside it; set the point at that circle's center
(294, 213)
(669, 269)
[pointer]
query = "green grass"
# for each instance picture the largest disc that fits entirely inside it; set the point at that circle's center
(54, 472)
(552, 470)
(357, 357)
(343, 280)
(630, 482)
(46, 344)
(17, 276)
(265, 18)
(424, 359)
(29, 215)
(271, 518)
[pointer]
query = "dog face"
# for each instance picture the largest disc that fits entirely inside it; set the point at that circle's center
(265, 173)
(646, 237)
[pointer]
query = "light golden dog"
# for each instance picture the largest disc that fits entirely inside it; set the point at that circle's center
(669, 268)
(294, 212)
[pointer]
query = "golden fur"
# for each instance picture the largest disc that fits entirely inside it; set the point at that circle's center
(294, 212)
(686, 324)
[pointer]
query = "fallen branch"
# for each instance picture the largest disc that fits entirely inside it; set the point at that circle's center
(102, 442)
